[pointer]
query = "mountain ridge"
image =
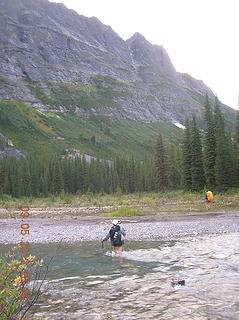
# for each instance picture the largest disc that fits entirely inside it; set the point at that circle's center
(46, 42)
(57, 61)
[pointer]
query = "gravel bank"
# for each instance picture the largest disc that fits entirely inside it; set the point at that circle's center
(72, 229)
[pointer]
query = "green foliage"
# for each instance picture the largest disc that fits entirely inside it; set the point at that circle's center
(100, 80)
(197, 170)
(174, 165)
(36, 176)
(209, 146)
(187, 156)
(152, 202)
(9, 293)
(125, 212)
(85, 97)
(224, 172)
(236, 149)
(161, 165)
(46, 173)
(118, 191)
(14, 278)
(219, 156)
(65, 197)
(29, 129)
(3, 143)
(53, 133)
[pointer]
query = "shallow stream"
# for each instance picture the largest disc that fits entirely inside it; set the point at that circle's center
(86, 283)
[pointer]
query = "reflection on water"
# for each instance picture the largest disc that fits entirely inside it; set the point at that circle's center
(87, 283)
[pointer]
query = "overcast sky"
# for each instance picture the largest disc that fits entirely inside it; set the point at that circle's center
(200, 36)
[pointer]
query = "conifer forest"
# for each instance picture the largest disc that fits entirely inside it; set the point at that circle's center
(206, 158)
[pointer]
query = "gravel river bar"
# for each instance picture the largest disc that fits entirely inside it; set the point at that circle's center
(73, 229)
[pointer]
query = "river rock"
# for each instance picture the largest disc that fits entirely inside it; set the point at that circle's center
(93, 283)
(178, 282)
(57, 301)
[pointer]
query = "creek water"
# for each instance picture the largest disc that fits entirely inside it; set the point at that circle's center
(85, 282)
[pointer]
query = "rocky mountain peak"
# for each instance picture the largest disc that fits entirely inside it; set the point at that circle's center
(146, 54)
(46, 45)
(137, 37)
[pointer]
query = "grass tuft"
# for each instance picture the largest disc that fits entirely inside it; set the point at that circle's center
(125, 212)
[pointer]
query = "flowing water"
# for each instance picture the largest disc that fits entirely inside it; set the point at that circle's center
(85, 282)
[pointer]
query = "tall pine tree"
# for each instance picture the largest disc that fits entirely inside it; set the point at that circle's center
(209, 146)
(161, 165)
(197, 170)
(186, 157)
(236, 149)
(223, 170)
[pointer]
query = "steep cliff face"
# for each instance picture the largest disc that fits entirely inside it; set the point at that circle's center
(49, 42)
(53, 59)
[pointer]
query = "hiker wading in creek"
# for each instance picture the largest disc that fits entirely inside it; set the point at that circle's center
(116, 234)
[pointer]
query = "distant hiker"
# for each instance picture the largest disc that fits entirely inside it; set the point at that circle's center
(208, 198)
(116, 234)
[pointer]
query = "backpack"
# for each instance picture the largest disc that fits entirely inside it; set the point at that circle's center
(209, 196)
(115, 235)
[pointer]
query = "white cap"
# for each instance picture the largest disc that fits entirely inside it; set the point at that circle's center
(115, 221)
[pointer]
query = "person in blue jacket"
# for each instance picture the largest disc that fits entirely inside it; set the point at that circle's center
(116, 236)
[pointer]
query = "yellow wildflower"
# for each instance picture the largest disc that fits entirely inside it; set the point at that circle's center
(31, 258)
(17, 281)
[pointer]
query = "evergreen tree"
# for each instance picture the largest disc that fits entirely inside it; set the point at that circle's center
(26, 178)
(138, 181)
(106, 183)
(20, 177)
(34, 175)
(14, 177)
(186, 157)
(236, 149)
(2, 175)
(179, 161)
(174, 177)
(96, 175)
(223, 170)
(85, 175)
(151, 176)
(93, 182)
(142, 178)
(65, 175)
(45, 183)
(57, 180)
(161, 165)
(114, 178)
(197, 171)
(7, 189)
(209, 146)
(80, 175)
(231, 158)
(132, 175)
(124, 176)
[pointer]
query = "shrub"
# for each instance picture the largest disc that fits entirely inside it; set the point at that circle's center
(17, 295)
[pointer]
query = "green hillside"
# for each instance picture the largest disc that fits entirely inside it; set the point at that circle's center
(34, 131)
